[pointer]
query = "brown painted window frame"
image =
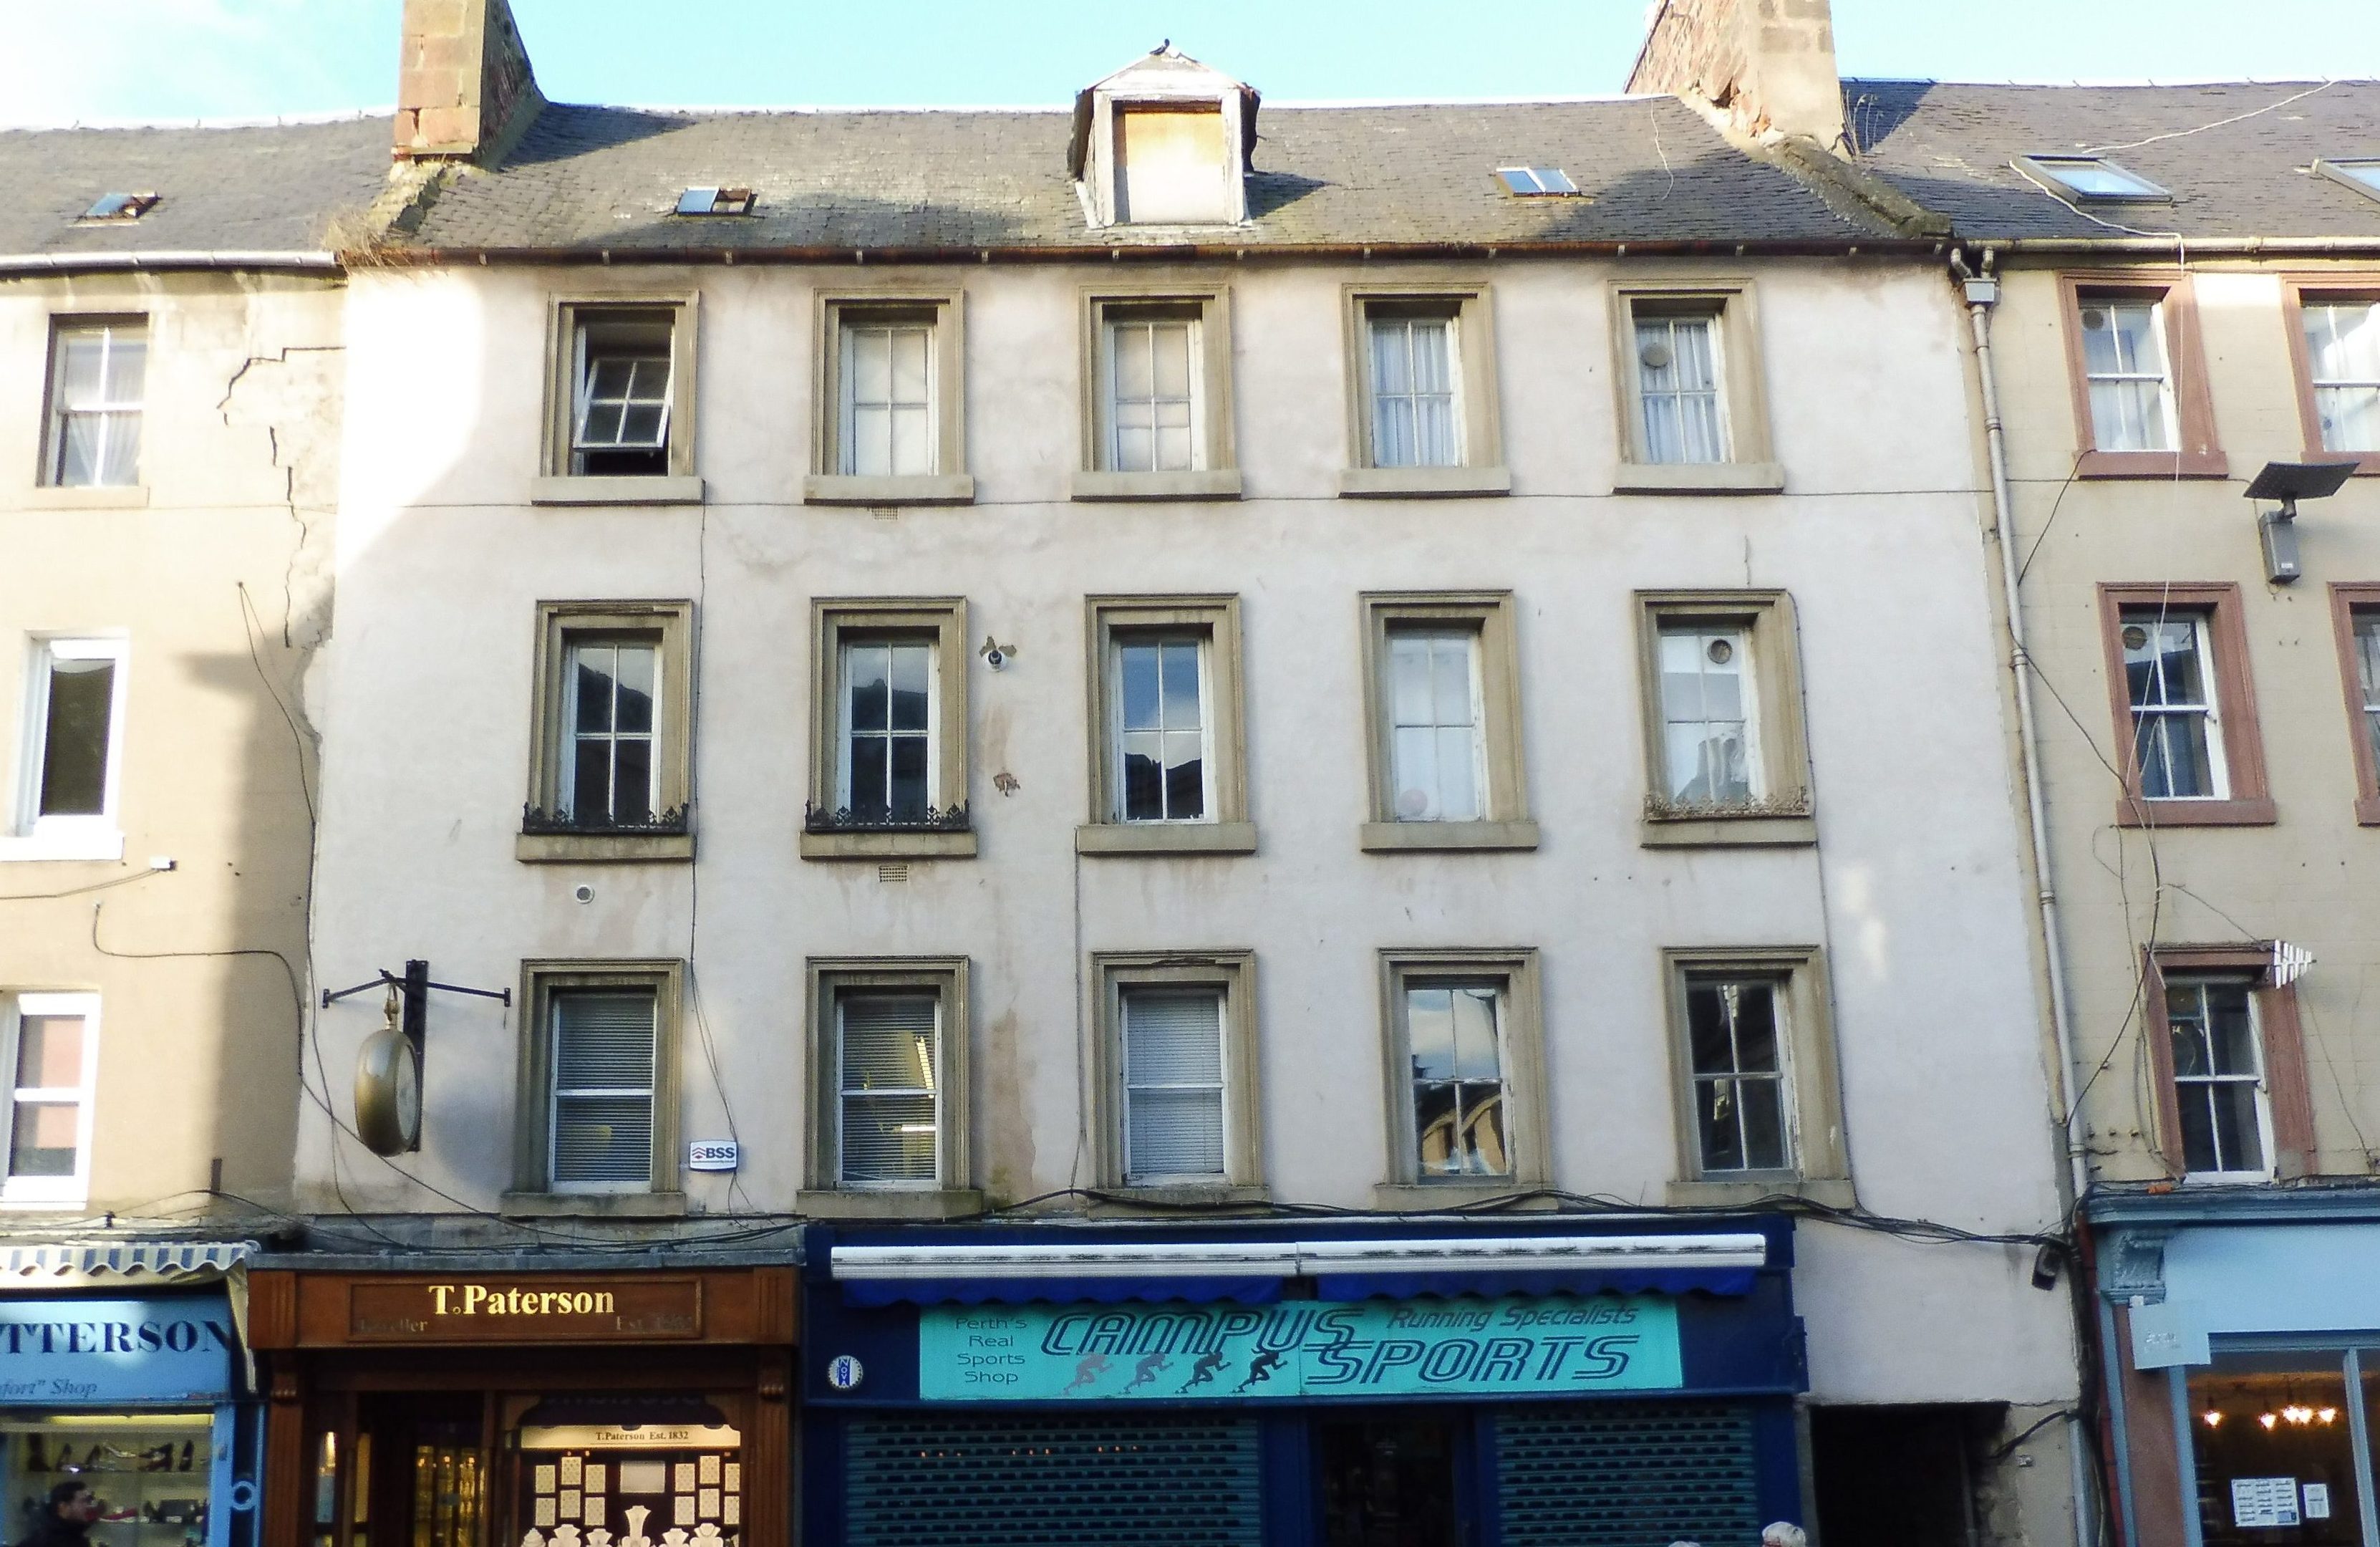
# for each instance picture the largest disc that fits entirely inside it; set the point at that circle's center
(2295, 288)
(2347, 599)
(2287, 1095)
(2249, 804)
(2201, 455)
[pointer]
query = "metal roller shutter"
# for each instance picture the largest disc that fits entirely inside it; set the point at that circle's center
(1627, 1474)
(1028, 1482)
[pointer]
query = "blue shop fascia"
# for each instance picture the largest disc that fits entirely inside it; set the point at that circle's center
(1287, 1382)
(121, 1367)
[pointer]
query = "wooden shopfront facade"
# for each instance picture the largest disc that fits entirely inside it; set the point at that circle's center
(497, 1405)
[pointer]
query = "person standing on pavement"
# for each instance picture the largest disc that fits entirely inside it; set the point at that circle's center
(66, 1523)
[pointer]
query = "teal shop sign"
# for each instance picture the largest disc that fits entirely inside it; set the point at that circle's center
(1517, 1345)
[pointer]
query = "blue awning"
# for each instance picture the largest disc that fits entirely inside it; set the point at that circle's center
(1409, 1285)
(1059, 1291)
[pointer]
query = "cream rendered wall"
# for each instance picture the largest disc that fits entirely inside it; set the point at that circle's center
(198, 1054)
(2314, 878)
(1915, 890)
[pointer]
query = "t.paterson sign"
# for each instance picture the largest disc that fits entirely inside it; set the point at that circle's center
(1510, 1346)
(83, 1352)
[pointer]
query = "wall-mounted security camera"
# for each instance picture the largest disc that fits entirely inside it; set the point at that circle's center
(994, 653)
(2286, 483)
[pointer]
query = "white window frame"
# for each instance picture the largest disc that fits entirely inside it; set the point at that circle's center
(97, 837)
(1457, 982)
(1117, 315)
(582, 381)
(55, 441)
(2219, 770)
(1475, 647)
(2184, 1084)
(1118, 642)
(2168, 407)
(2307, 307)
(566, 780)
(852, 323)
(49, 1192)
(1789, 1115)
(935, 1092)
(1741, 637)
(1222, 1085)
(1712, 316)
(555, 1091)
(863, 639)
(1382, 315)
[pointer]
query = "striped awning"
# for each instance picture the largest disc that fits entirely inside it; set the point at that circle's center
(32, 1268)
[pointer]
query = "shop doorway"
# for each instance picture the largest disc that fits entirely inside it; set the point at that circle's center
(1390, 1481)
(420, 1470)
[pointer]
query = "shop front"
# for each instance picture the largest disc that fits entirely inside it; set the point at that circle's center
(1343, 1384)
(2247, 1337)
(137, 1390)
(494, 1405)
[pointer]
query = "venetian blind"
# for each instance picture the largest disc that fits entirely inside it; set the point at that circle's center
(1173, 1084)
(890, 1071)
(603, 1048)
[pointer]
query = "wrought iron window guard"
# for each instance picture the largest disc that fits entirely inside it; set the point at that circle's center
(1785, 803)
(843, 819)
(539, 821)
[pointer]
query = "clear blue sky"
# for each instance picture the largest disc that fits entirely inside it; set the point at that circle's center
(64, 61)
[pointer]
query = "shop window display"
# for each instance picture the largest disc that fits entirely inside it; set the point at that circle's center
(150, 1474)
(665, 1474)
(2276, 1449)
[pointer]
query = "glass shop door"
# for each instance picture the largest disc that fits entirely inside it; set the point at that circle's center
(419, 1472)
(1392, 1479)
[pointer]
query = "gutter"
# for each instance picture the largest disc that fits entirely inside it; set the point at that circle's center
(2226, 247)
(405, 257)
(1981, 293)
(68, 262)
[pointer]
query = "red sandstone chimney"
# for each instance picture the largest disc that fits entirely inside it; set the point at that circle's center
(1768, 65)
(464, 88)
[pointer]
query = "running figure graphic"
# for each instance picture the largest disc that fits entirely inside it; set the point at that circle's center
(1086, 1373)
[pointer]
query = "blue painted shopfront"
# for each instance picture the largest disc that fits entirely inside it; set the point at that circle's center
(139, 1398)
(1277, 1382)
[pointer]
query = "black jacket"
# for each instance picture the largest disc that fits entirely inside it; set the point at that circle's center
(55, 1532)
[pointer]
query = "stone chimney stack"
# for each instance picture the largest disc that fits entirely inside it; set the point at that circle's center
(464, 88)
(1767, 64)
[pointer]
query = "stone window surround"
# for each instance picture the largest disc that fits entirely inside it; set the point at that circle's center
(555, 484)
(533, 1194)
(1787, 816)
(2298, 290)
(1506, 824)
(2282, 1049)
(2201, 455)
(1527, 1131)
(45, 496)
(1220, 479)
(946, 618)
(556, 623)
(2250, 803)
(1233, 973)
(1217, 618)
(821, 1196)
(1821, 1170)
(2348, 598)
(950, 482)
(1752, 467)
(1482, 471)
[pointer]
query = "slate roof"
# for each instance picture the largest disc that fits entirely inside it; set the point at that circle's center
(606, 178)
(266, 189)
(1950, 147)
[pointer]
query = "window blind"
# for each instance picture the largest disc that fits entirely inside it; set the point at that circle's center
(890, 1068)
(1173, 1085)
(604, 1055)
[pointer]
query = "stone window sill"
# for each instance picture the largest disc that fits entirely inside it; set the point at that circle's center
(101, 496)
(601, 848)
(592, 1205)
(927, 489)
(1374, 483)
(1187, 1195)
(2152, 464)
(921, 845)
(1166, 837)
(1211, 483)
(1729, 832)
(1387, 838)
(2256, 813)
(889, 1202)
(1828, 1192)
(88, 844)
(1699, 478)
(672, 490)
(1421, 1198)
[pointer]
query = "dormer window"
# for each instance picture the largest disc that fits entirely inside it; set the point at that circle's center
(1163, 141)
(1173, 167)
(120, 206)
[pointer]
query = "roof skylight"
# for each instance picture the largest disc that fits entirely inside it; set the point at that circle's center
(2360, 173)
(715, 202)
(1532, 182)
(120, 206)
(2095, 177)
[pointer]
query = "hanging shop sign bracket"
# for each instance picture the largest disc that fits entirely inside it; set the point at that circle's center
(388, 1065)
(416, 982)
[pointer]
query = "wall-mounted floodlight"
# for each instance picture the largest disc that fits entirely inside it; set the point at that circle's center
(2286, 483)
